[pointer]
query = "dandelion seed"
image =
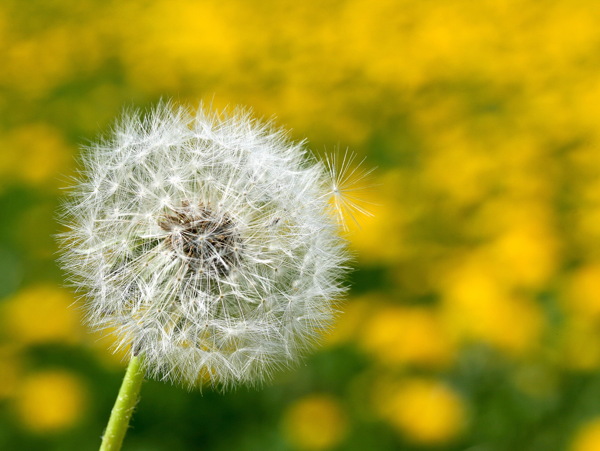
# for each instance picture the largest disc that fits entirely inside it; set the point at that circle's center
(205, 241)
(347, 184)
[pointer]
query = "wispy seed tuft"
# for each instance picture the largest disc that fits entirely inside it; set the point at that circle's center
(207, 243)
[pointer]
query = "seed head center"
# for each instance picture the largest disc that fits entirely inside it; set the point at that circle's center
(206, 240)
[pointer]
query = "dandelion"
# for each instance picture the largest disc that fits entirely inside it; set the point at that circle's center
(208, 243)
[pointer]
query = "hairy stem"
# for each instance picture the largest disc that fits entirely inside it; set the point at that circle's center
(124, 405)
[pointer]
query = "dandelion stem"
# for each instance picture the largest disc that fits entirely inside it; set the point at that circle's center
(124, 405)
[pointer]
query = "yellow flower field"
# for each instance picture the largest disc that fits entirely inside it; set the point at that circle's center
(473, 319)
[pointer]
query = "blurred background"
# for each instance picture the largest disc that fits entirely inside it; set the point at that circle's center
(473, 321)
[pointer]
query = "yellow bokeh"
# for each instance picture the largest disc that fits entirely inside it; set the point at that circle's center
(582, 294)
(525, 253)
(483, 117)
(349, 322)
(10, 370)
(103, 343)
(579, 344)
(42, 314)
(379, 237)
(400, 335)
(316, 422)
(51, 400)
(478, 306)
(471, 166)
(181, 40)
(45, 59)
(426, 411)
(35, 153)
(587, 437)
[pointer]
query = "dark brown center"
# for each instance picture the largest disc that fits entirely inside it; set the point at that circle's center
(207, 241)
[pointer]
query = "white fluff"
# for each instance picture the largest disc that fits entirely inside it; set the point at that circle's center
(207, 242)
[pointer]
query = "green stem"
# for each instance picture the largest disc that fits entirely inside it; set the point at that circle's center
(124, 405)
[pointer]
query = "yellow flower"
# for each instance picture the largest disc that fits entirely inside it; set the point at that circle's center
(471, 168)
(50, 400)
(525, 254)
(587, 438)
(173, 49)
(425, 411)
(480, 307)
(380, 237)
(41, 314)
(583, 291)
(315, 422)
(407, 335)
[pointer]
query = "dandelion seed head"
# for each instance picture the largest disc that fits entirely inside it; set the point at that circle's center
(206, 242)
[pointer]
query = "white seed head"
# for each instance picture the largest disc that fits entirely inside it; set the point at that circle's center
(206, 242)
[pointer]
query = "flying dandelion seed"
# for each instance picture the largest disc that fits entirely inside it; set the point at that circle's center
(347, 186)
(207, 243)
